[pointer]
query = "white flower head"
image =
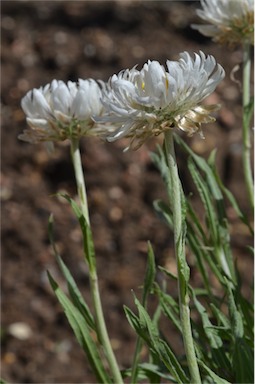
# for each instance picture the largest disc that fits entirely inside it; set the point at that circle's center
(146, 103)
(230, 21)
(59, 111)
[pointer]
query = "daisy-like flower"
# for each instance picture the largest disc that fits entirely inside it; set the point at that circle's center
(145, 103)
(230, 21)
(59, 111)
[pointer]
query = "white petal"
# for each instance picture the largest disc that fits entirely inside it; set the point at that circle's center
(61, 98)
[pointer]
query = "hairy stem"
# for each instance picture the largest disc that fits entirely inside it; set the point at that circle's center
(100, 321)
(176, 196)
(246, 123)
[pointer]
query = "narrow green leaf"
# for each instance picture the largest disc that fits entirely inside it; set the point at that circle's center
(88, 243)
(156, 371)
(145, 321)
(212, 335)
(204, 166)
(134, 321)
(170, 308)
(152, 372)
(76, 296)
(235, 316)
(149, 274)
(168, 273)
(144, 326)
(216, 379)
(243, 362)
(159, 160)
(234, 203)
(164, 212)
(147, 288)
(82, 333)
(183, 267)
(171, 362)
(195, 223)
(247, 312)
(74, 292)
(243, 353)
(221, 318)
(248, 112)
(206, 199)
(197, 249)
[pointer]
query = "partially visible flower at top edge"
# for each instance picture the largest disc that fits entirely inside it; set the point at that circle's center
(145, 103)
(230, 21)
(59, 111)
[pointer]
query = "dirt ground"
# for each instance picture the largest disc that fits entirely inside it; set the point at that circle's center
(45, 40)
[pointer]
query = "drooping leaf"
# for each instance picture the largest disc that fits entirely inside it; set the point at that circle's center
(76, 295)
(82, 333)
(88, 243)
(149, 274)
(74, 292)
(216, 379)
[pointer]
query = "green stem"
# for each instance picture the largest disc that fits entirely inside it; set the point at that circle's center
(138, 347)
(100, 321)
(246, 122)
(80, 182)
(176, 196)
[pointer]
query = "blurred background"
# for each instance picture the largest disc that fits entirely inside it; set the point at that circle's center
(67, 40)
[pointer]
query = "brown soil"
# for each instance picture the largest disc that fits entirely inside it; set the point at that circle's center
(43, 40)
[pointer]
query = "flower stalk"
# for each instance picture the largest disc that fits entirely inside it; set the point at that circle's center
(246, 121)
(176, 198)
(100, 321)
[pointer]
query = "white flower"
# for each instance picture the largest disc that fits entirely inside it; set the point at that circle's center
(59, 111)
(145, 103)
(230, 21)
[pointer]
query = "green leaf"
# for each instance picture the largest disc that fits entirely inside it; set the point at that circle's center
(88, 243)
(76, 296)
(149, 274)
(195, 222)
(206, 199)
(218, 357)
(216, 379)
(159, 160)
(134, 321)
(235, 316)
(170, 308)
(221, 318)
(248, 112)
(164, 212)
(204, 166)
(201, 250)
(144, 326)
(234, 204)
(152, 372)
(168, 273)
(212, 334)
(82, 333)
(243, 362)
(74, 292)
(247, 312)
(198, 250)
